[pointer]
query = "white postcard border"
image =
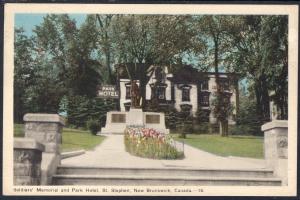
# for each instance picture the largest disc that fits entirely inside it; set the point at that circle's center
(290, 10)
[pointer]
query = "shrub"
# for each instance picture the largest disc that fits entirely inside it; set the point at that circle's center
(82, 108)
(93, 125)
(245, 129)
(201, 128)
(170, 118)
(206, 128)
(149, 143)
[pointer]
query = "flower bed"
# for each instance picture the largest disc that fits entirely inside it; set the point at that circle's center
(149, 143)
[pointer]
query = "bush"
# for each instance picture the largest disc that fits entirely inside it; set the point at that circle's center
(93, 125)
(248, 120)
(170, 118)
(205, 128)
(82, 108)
(245, 129)
(149, 143)
(201, 128)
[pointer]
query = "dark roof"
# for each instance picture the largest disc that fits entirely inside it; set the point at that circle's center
(222, 73)
(181, 73)
(187, 74)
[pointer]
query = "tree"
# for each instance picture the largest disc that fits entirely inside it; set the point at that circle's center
(214, 30)
(260, 54)
(71, 52)
(57, 63)
(23, 71)
(275, 59)
(86, 70)
(146, 40)
(247, 117)
(105, 40)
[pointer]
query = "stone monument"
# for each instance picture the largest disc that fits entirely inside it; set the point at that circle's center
(117, 121)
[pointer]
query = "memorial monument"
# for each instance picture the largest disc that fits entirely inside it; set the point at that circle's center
(117, 121)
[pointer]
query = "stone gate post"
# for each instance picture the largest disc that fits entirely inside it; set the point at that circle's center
(27, 161)
(276, 147)
(47, 130)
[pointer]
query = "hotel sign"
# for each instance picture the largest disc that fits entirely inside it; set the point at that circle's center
(108, 91)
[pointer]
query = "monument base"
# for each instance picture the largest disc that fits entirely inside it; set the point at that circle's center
(117, 121)
(135, 117)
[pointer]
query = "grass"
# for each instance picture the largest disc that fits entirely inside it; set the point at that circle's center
(241, 146)
(72, 139)
(18, 130)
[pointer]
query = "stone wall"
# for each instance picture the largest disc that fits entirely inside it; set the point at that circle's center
(276, 147)
(45, 130)
(27, 161)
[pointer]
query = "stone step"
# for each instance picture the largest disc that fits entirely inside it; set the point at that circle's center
(257, 173)
(139, 180)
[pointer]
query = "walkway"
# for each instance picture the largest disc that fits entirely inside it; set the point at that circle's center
(111, 153)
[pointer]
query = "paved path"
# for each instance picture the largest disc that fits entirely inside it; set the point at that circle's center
(111, 153)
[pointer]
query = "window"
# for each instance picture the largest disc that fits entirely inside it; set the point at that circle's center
(226, 99)
(204, 85)
(186, 94)
(127, 106)
(161, 93)
(205, 116)
(158, 92)
(128, 88)
(204, 99)
(224, 84)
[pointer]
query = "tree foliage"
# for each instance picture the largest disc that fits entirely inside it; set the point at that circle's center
(24, 73)
(260, 54)
(146, 40)
(63, 63)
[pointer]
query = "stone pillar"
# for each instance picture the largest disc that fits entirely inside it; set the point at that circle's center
(276, 147)
(46, 129)
(27, 161)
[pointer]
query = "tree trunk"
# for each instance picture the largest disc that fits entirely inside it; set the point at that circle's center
(262, 99)
(216, 64)
(107, 54)
(237, 94)
(143, 82)
(223, 128)
(265, 99)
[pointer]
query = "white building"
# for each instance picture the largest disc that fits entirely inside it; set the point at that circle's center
(187, 87)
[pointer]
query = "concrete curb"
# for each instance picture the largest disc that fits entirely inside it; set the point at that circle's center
(72, 154)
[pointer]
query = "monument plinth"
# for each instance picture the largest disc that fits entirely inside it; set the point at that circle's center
(135, 117)
(117, 121)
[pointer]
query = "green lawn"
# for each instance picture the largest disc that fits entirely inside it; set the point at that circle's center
(242, 146)
(72, 139)
(18, 130)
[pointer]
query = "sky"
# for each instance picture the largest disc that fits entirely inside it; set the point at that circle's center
(29, 21)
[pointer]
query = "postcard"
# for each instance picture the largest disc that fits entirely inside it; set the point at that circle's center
(150, 100)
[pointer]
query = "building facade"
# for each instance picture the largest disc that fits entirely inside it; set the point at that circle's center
(185, 88)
